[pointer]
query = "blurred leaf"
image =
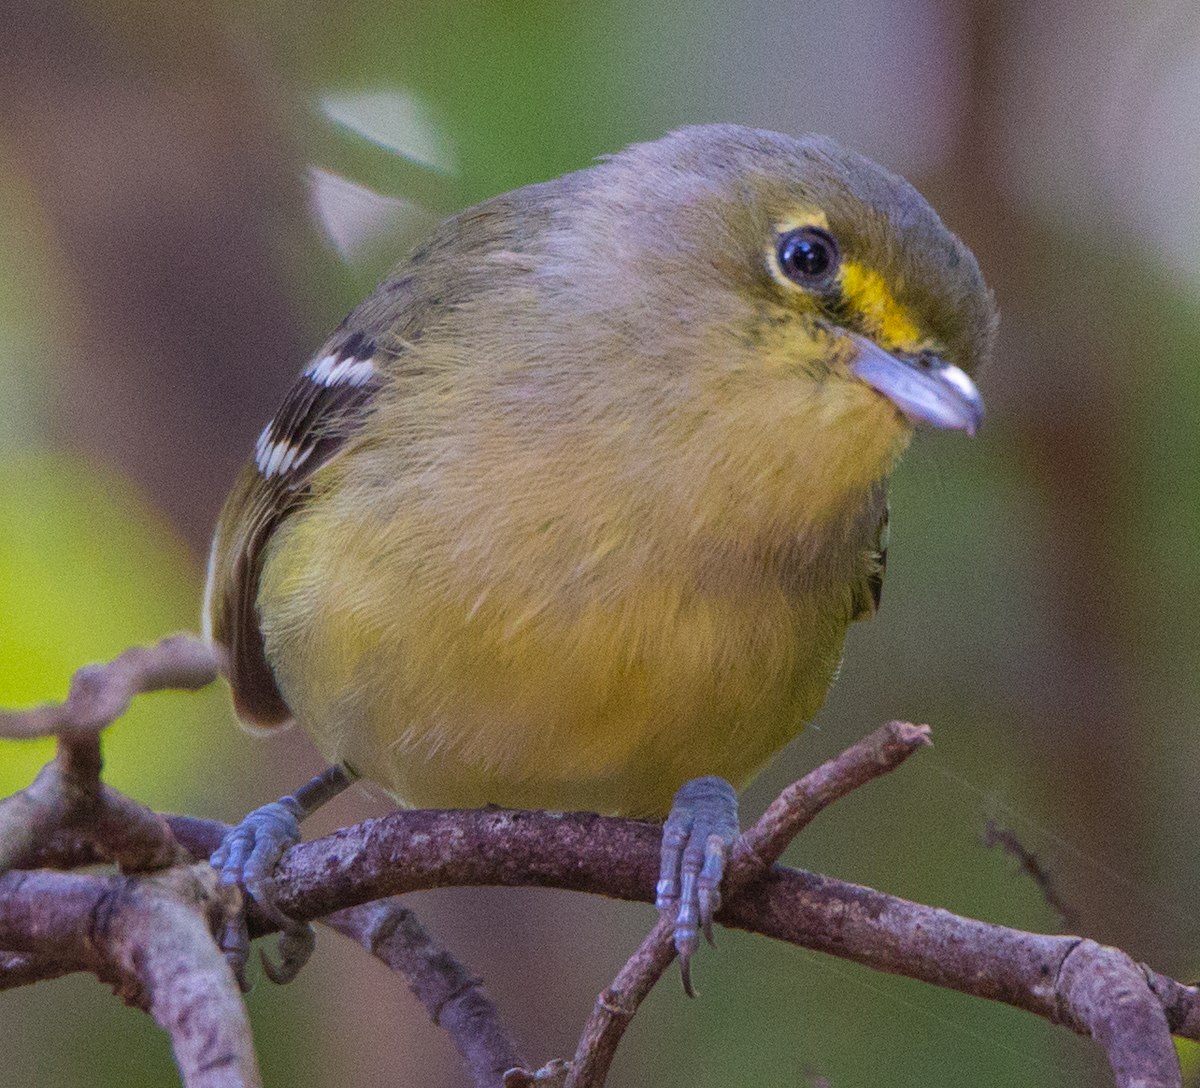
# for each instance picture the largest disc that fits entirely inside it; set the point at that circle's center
(394, 120)
(360, 222)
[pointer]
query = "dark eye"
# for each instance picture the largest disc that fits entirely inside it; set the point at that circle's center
(809, 257)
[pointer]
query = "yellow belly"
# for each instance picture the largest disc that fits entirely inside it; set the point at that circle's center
(600, 700)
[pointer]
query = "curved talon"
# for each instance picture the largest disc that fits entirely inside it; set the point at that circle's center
(697, 836)
(234, 943)
(708, 883)
(296, 944)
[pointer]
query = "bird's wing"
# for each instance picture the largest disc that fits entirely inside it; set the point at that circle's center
(869, 592)
(325, 407)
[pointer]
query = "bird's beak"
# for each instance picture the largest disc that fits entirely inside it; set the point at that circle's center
(924, 388)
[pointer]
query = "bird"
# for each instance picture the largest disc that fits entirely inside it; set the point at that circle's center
(574, 511)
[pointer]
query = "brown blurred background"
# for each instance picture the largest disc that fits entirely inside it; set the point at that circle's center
(162, 280)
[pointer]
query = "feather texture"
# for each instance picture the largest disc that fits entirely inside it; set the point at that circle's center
(579, 504)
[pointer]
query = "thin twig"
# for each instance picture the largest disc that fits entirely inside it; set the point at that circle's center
(616, 1006)
(877, 754)
(454, 999)
(994, 835)
(100, 694)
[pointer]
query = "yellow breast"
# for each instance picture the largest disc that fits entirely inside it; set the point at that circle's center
(530, 634)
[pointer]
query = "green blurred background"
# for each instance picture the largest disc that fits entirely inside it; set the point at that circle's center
(162, 280)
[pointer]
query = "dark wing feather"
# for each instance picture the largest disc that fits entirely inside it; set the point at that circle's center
(327, 405)
(881, 546)
(867, 595)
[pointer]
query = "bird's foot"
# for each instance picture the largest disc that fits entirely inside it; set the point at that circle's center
(248, 856)
(697, 836)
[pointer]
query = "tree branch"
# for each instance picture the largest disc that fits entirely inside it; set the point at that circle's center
(150, 938)
(453, 998)
(150, 935)
(412, 851)
(100, 694)
(67, 795)
(753, 853)
(616, 1007)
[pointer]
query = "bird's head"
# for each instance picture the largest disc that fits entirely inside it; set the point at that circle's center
(722, 232)
(743, 281)
(748, 318)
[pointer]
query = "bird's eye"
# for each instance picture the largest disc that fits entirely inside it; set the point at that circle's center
(809, 257)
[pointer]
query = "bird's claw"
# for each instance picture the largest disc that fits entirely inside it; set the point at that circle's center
(248, 856)
(296, 944)
(249, 853)
(234, 942)
(697, 836)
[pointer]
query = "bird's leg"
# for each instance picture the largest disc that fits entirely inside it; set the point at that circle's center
(248, 856)
(701, 828)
